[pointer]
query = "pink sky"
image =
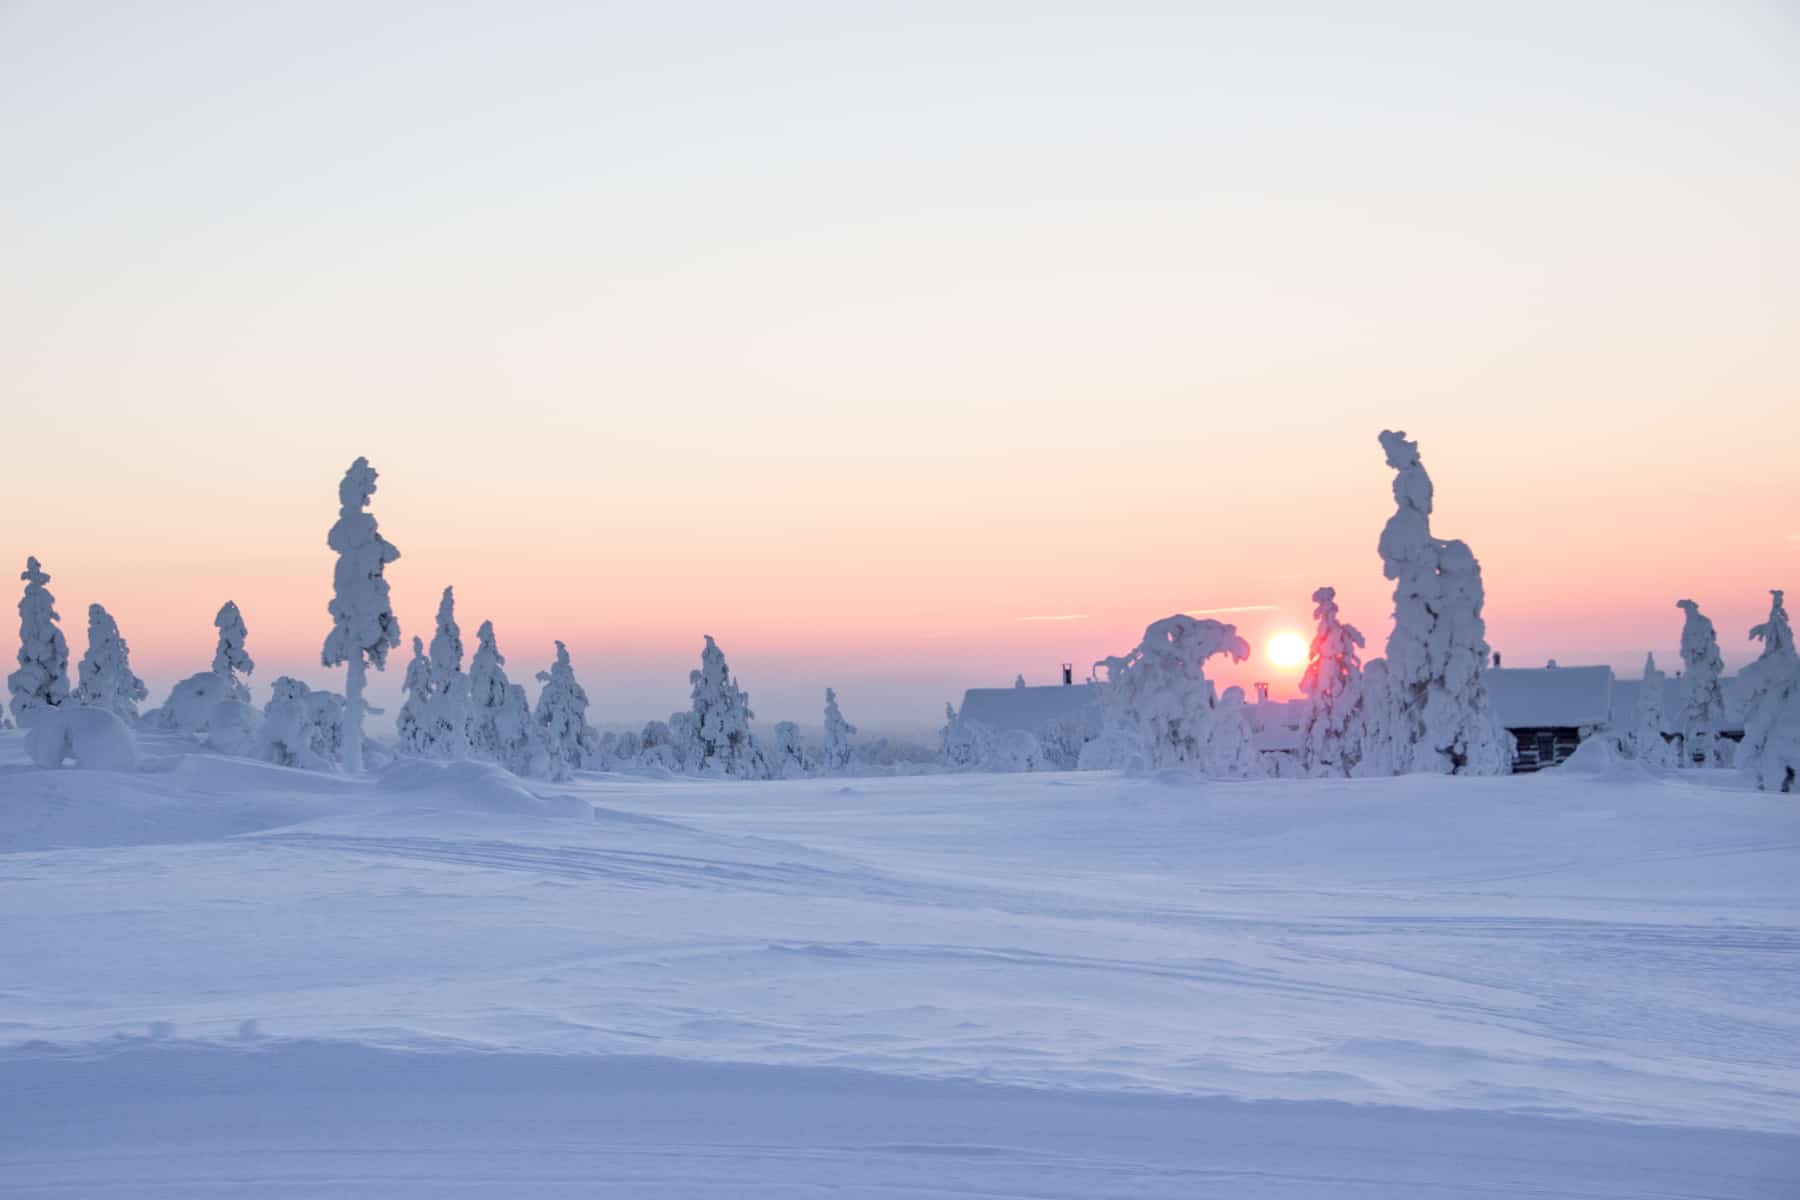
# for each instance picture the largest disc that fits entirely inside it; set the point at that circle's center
(857, 338)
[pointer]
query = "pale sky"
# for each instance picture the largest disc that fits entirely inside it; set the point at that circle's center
(860, 335)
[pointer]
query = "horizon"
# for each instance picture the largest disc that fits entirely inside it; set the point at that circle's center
(902, 351)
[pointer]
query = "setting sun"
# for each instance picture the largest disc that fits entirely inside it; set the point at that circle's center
(1287, 650)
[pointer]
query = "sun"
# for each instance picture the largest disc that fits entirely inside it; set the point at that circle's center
(1288, 650)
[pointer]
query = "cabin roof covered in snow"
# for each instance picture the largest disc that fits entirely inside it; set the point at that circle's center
(1030, 708)
(1551, 697)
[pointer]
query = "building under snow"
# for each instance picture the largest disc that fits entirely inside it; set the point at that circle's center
(1549, 711)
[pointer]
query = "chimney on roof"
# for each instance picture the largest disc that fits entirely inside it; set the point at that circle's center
(1496, 658)
(1068, 674)
(1262, 693)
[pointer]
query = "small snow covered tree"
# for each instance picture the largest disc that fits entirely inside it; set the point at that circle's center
(500, 726)
(788, 755)
(1333, 687)
(449, 686)
(412, 728)
(838, 733)
(301, 727)
(1159, 704)
(42, 680)
(1702, 694)
(229, 655)
(1648, 745)
(363, 625)
(1232, 744)
(105, 674)
(1438, 650)
(191, 704)
(714, 738)
(1772, 701)
(561, 716)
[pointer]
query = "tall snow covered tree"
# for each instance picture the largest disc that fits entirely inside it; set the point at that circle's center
(569, 741)
(713, 736)
(1702, 694)
(1772, 695)
(229, 655)
(1333, 688)
(106, 680)
(838, 733)
(1438, 650)
(363, 625)
(42, 680)
(1160, 706)
(1648, 745)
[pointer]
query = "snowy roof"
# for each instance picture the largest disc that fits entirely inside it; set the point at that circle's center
(1551, 697)
(1031, 708)
(1625, 694)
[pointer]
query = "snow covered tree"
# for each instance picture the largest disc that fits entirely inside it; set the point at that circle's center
(1702, 694)
(1333, 685)
(1232, 745)
(42, 680)
(363, 625)
(449, 686)
(1648, 745)
(561, 716)
(106, 680)
(788, 757)
(500, 726)
(229, 655)
(1159, 705)
(412, 728)
(1438, 650)
(714, 736)
(838, 733)
(301, 727)
(191, 703)
(1772, 700)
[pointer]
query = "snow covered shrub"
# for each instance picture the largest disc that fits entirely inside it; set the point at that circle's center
(569, 741)
(1702, 694)
(95, 738)
(715, 738)
(1438, 650)
(105, 670)
(1772, 704)
(232, 726)
(363, 625)
(42, 680)
(657, 746)
(1013, 750)
(301, 727)
(1062, 741)
(1333, 685)
(787, 756)
(1372, 722)
(1233, 741)
(1647, 743)
(838, 732)
(191, 703)
(1160, 708)
(963, 744)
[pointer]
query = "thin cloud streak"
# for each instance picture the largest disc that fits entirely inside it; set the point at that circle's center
(1235, 608)
(1060, 617)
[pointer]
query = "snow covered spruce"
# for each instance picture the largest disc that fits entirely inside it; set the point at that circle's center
(363, 625)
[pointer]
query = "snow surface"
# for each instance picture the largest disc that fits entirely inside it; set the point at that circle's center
(225, 977)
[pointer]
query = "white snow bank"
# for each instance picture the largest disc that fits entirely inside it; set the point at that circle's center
(475, 787)
(92, 738)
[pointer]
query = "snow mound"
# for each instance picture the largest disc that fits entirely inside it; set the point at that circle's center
(95, 738)
(474, 787)
(1597, 759)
